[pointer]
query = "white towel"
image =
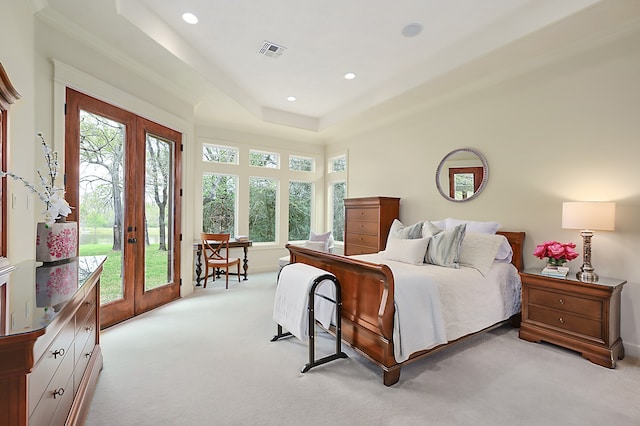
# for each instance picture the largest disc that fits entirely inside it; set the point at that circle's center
(292, 299)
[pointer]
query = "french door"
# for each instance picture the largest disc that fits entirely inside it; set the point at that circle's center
(123, 180)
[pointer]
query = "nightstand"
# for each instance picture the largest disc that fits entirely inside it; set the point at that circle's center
(581, 316)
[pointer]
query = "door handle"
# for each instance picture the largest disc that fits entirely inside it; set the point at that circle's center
(132, 240)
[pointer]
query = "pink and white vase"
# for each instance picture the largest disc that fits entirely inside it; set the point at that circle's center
(58, 241)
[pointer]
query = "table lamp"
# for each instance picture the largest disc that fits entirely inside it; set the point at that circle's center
(588, 216)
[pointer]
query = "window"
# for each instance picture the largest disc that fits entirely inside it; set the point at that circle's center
(219, 203)
(300, 205)
(264, 159)
(219, 154)
(338, 164)
(301, 164)
(262, 209)
(338, 194)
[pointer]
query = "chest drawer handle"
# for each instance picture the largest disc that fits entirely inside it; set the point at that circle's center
(561, 320)
(58, 392)
(89, 329)
(561, 301)
(58, 352)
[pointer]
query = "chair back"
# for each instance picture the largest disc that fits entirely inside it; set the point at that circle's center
(213, 244)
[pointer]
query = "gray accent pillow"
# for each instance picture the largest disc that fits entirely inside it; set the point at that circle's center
(399, 230)
(444, 247)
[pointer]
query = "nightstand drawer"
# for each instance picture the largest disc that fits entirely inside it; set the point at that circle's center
(566, 321)
(566, 303)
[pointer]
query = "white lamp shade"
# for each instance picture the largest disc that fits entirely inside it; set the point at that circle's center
(593, 215)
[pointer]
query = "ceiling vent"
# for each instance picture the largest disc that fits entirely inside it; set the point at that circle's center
(271, 49)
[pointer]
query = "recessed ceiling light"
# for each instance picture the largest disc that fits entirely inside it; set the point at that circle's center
(291, 98)
(190, 18)
(349, 76)
(412, 30)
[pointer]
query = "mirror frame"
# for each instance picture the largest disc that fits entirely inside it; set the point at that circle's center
(485, 174)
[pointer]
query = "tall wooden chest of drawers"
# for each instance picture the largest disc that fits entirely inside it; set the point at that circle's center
(581, 316)
(50, 355)
(367, 222)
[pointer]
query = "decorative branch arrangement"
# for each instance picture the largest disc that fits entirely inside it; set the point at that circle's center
(56, 206)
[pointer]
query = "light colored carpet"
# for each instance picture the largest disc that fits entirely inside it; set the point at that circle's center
(207, 359)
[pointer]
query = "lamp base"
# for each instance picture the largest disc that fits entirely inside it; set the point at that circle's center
(586, 276)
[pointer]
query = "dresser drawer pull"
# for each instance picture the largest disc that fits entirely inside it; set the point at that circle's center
(58, 392)
(561, 320)
(88, 354)
(89, 329)
(58, 352)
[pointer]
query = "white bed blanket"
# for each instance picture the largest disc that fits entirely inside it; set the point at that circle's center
(435, 305)
(292, 299)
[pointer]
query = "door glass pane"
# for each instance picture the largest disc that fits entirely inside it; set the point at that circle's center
(102, 199)
(158, 234)
(463, 185)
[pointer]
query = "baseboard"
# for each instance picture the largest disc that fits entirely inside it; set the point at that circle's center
(631, 351)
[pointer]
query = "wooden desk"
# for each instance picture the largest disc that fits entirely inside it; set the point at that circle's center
(197, 246)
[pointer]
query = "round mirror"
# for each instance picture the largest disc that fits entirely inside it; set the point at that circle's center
(462, 174)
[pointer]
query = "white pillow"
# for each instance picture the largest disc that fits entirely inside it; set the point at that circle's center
(479, 250)
(505, 252)
(474, 226)
(321, 237)
(406, 250)
(315, 245)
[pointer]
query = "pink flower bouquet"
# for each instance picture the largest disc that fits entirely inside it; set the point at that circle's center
(556, 253)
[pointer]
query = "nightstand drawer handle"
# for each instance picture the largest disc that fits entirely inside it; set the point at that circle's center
(561, 301)
(561, 320)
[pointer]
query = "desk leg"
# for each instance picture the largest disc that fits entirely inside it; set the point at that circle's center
(245, 262)
(198, 266)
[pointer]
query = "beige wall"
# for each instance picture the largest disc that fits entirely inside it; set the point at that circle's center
(568, 131)
(16, 55)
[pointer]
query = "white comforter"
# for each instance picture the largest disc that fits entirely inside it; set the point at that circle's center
(435, 305)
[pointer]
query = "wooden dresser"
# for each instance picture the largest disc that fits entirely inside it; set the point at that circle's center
(367, 222)
(49, 351)
(581, 316)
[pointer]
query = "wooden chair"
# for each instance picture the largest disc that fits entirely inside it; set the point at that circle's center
(215, 250)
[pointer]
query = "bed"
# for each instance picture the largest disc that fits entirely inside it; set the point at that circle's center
(369, 313)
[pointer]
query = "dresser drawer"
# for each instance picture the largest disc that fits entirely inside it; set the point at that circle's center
(88, 305)
(365, 240)
(58, 390)
(362, 214)
(566, 302)
(87, 328)
(566, 321)
(82, 361)
(60, 349)
(356, 249)
(359, 227)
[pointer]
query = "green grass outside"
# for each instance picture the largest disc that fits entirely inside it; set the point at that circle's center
(156, 262)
